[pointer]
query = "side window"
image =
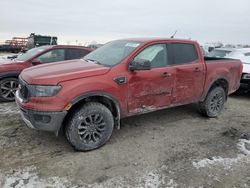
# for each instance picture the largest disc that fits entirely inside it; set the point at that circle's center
(53, 56)
(184, 53)
(75, 53)
(156, 54)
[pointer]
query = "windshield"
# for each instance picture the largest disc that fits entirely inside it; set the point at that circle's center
(30, 53)
(112, 53)
(218, 53)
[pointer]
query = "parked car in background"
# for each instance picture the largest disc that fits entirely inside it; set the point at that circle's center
(87, 98)
(95, 46)
(220, 52)
(244, 55)
(11, 68)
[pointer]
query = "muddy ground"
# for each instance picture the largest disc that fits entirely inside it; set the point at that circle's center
(170, 148)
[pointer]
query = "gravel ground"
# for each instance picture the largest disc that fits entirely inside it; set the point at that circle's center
(169, 148)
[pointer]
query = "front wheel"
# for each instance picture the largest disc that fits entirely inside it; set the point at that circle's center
(214, 102)
(90, 127)
(8, 88)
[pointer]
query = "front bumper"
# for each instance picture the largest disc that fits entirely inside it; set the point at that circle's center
(42, 120)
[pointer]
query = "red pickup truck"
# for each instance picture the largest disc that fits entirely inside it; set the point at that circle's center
(87, 98)
(10, 69)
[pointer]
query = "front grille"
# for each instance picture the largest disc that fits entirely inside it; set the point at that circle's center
(23, 89)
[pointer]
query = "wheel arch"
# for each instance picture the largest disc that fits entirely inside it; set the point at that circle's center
(221, 81)
(104, 98)
(9, 75)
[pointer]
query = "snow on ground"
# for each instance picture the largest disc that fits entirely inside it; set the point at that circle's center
(227, 163)
(28, 178)
(155, 179)
(6, 109)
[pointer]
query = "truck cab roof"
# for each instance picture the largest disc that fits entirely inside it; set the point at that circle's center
(157, 39)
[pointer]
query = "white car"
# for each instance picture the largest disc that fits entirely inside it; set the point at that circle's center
(244, 55)
(220, 52)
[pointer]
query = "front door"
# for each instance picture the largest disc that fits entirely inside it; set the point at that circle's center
(151, 89)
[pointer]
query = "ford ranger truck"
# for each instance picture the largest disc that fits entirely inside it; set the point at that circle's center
(11, 68)
(87, 98)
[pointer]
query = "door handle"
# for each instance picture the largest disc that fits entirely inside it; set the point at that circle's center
(197, 69)
(166, 74)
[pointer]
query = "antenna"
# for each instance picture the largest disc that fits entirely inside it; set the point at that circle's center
(173, 34)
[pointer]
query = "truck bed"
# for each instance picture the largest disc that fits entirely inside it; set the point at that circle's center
(225, 68)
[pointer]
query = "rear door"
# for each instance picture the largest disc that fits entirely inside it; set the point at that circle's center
(189, 72)
(150, 89)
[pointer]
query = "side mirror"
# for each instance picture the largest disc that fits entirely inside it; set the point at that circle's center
(140, 64)
(36, 61)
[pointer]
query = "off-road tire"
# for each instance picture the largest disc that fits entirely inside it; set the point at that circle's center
(91, 121)
(214, 102)
(4, 84)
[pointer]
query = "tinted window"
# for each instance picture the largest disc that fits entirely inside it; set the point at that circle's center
(156, 54)
(75, 53)
(184, 53)
(53, 56)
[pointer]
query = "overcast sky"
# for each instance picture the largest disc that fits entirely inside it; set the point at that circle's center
(103, 20)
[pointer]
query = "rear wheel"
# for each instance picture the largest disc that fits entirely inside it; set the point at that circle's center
(214, 102)
(8, 88)
(90, 127)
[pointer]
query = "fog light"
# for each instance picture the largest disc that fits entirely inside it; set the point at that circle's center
(42, 118)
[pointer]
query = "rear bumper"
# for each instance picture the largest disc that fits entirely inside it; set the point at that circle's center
(245, 86)
(42, 120)
(245, 81)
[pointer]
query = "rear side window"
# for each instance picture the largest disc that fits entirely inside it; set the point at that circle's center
(184, 53)
(75, 53)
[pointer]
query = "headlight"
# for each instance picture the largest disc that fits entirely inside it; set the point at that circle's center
(43, 91)
(246, 76)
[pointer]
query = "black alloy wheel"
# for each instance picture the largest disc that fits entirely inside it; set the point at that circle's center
(8, 88)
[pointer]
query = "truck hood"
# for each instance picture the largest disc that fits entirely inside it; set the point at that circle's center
(53, 74)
